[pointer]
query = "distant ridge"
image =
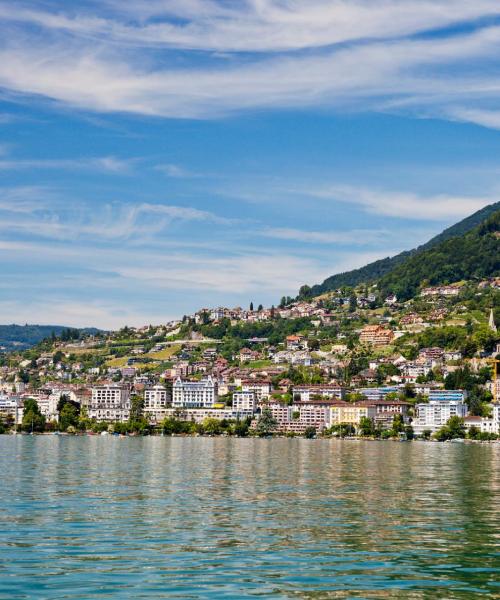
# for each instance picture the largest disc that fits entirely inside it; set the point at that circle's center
(379, 269)
(21, 337)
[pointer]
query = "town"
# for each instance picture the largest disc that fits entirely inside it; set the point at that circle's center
(347, 363)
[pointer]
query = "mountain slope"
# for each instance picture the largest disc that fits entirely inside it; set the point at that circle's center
(375, 270)
(20, 337)
(474, 255)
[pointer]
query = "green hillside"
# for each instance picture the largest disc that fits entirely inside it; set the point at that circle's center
(19, 337)
(474, 255)
(380, 268)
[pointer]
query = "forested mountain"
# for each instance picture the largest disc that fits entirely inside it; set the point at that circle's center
(381, 268)
(474, 255)
(24, 336)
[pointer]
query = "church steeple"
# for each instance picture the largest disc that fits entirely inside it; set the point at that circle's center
(491, 321)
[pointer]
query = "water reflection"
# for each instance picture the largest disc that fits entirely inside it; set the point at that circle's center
(202, 518)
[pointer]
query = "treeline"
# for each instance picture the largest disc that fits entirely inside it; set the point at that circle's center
(402, 274)
(473, 256)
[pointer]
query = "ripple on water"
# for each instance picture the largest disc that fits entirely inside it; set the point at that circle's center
(92, 517)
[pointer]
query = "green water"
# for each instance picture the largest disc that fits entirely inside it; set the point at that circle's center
(101, 517)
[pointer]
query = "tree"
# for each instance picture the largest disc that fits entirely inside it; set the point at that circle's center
(251, 306)
(33, 420)
(426, 434)
(410, 434)
(266, 423)
(241, 428)
(212, 426)
(260, 307)
(136, 407)
(366, 427)
(68, 416)
(398, 425)
(310, 432)
(453, 429)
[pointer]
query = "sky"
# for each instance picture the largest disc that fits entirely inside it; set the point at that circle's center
(159, 156)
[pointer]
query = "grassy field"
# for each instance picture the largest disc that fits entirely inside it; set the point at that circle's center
(260, 364)
(164, 354)
(117, 362)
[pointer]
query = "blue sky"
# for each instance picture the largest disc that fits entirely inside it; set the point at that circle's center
(163, 155)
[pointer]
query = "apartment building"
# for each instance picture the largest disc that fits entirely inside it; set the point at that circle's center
(110, 403)
(194, 394)
(308, 393)
(244, 401)
(443, 404)
(261, 389)
(376, 335)
(156, 401)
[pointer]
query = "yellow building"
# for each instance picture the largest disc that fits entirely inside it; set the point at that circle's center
(350, 414)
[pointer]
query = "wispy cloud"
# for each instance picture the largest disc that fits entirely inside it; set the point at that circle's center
(356, 237)
(175, 171)
(407, 205)
(252, 25)
(107, 164)
(381, 66)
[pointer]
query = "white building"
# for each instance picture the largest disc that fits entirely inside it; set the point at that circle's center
(11, 406)
(110, 403)
(443, 404)
(308, 393)
(194, 394)
(244, 401)
(198, 415)
(261, 389)
(156, 401)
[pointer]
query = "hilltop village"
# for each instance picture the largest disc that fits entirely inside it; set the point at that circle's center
(347, 363)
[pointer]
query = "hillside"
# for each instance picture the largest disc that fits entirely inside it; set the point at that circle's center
(474, 255)
(378, 269)
(19, 337)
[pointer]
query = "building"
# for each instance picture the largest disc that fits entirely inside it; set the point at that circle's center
(307, 393)
(376, 335)
(345, 413)
(156, 401)
(194, 394)
(377, 393)
(11, 407)
(244, 401)
(261, 389)
(484, 424)
(110, 403)
(198, 415)
(442, 395)
(295, 342)
(444, 290)
(442, 405)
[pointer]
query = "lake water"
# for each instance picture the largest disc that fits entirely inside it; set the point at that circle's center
(107, 517)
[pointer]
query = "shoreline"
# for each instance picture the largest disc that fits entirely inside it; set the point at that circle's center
(251, 437)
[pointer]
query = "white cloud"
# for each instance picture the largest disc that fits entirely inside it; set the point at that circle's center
(370, 73)
(110, 164)
(41, 212)
(253, 25)
(355, 237)
(407, 205)
(175, 171)
(485, 118)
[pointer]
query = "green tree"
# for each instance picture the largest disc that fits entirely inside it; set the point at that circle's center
(33, 420)
(310, 432)
(266, 423)
(212, 426)
(68, 417)
(453, 429)
(241, 428)
(366, 427)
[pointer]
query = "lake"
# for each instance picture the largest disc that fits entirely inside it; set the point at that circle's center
(110, 517)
